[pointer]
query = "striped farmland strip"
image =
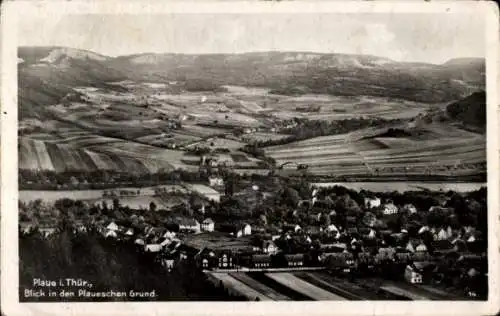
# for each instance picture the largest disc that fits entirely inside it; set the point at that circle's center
(240, 287)
(98, 160)
(56, 156)
(87, 160)
(45, 162)
(304, 287)
(275, 295)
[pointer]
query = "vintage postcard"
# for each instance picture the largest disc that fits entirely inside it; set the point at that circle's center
(250, 158)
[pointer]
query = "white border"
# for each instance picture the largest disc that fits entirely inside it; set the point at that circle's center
(9, 192)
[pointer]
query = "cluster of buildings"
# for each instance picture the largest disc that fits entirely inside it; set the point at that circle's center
(422, 254)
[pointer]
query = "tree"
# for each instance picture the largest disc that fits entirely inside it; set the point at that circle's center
(116, 204)
(152, 206)
(291, 197)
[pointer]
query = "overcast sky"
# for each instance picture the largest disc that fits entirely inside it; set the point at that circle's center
(433, 38)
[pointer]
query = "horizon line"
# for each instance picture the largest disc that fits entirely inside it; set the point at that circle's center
(250, 52)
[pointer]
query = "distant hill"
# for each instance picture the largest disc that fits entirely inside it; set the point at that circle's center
(300, 72)
(471, 111)
(47, 74)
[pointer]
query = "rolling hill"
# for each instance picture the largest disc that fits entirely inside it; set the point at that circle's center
(471, 111)
(47, 74)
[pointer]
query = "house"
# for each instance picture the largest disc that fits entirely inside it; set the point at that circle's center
(261, 261)
(189, 225)
(372, 203)
(421, 248)
(208, 225)
(410, 208)
(242, 230)
(294, 260)
(312, 230)
(423, 229)
(403, 255)
(442, 247)
(390, 209)
(46, 229)
(269, 247)
(215, 181)
(26, 227)
(442, 235)
(153, 248)
(79, 226)
(343, 261)
(365, 259)
(292, 228)
(206, 258)
(385, 253)
(445, 210)
(129, 232)
(412, 275)
(225, 259)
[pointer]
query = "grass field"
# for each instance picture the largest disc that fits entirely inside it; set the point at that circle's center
(350, 154)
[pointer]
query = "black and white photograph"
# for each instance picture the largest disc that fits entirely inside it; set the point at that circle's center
(235, 156)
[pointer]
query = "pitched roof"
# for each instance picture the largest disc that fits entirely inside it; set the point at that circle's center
(208, 221)
(294, 257)
(442, 245)
(261, 258)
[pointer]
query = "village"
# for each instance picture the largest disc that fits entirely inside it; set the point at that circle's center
(276, 226)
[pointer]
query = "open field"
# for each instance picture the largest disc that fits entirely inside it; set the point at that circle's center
(116, 130)
(351, 154)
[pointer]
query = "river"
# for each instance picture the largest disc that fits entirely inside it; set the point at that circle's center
(92, 195)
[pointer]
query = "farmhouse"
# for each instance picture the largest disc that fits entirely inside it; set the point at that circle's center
(412, 275)
(208, 225)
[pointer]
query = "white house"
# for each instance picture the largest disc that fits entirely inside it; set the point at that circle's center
(153, 248)
(208, 225)
(442, 235)
(269, 247)
(243, 230)
(390, 209)
(216, 181)
(189, 224)
(372, 202)
(412, 275)
(112, 226)
(421, 247)
(129, 232)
